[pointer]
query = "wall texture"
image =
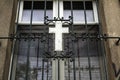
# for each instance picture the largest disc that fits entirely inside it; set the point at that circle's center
(6, 10)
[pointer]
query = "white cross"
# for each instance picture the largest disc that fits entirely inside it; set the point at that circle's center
(58, 30)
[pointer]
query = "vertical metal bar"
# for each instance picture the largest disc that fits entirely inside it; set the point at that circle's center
(102, 43)
(68, 61)
(74, 55)
(29, 41)
(14, 43)
(71, 10)
(68, 69)
(42, 69)
(58, 69)
(78, 59)
(27, 66)
(58, 8)
(74, 69)
(47, 68)
(31, 17)
(44, 41)
(71, 15)
(99, 55)
(45, 11)
(37, 58)
(48, 53)
(87, 40)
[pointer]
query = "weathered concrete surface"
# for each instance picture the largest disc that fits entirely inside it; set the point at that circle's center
(110, 18)
(6, 7)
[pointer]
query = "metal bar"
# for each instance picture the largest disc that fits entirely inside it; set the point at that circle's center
(58, 69)
(29, 41)
(68, 69)
(31, 37)
(68, 60)
(58, 9)
(31, 17)
(47, 68)
(87, 40)
(42, 69)
(99, 55)
(72, 32)
(48, 53)
(73, 58)
(71, 10)
(45, 11)
(78, 59)
(74, 69)
(71, 16)
(58, 19)
(27, 66)
(37, 58)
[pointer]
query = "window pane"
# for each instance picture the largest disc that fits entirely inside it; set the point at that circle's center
(27, 5)
(38, 15)
(78, 11)
(78, 15)
(38, 11)
(26, 15)
(89, 15)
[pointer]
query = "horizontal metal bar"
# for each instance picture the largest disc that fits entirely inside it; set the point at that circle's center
(84, 37)
(58, 20)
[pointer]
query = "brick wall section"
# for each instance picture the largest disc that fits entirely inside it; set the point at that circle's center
(6, 7)
(111, 25)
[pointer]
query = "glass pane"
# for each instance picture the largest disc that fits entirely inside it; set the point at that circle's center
(38, 15)
(78, 11)
(38, 10)
(89, 14)
(78, 15)
(26, 15)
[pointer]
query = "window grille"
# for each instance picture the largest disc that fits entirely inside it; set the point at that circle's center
(33, 47)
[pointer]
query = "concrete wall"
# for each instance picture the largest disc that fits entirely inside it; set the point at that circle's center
(110, 18)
